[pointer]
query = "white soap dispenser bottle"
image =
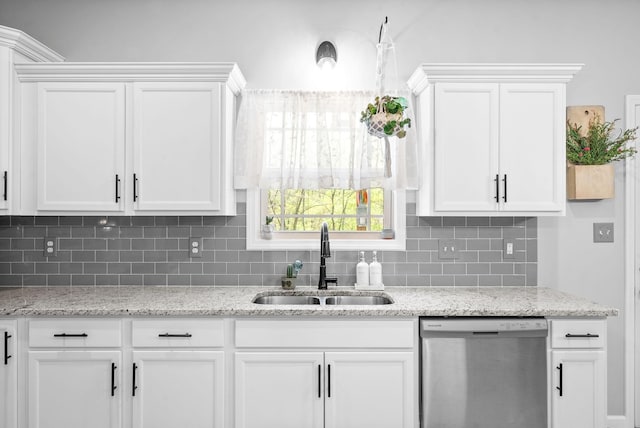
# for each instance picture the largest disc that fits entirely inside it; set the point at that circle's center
(375, 271)
(362, 271)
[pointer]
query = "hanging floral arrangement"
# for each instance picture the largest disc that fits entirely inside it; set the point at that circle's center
(385, 117)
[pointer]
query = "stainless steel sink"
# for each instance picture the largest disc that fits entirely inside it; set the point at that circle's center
(330, 300)
(287, 300)
(358, 300)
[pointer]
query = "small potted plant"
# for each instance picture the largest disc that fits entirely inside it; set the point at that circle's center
(267, 228)
(385, 117)
(590, 153)
(289, 281)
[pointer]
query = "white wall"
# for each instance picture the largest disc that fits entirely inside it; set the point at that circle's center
(274, 43)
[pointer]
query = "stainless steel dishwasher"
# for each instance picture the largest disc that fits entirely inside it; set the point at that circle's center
(483, 372)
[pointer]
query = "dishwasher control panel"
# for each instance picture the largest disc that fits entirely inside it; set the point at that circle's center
(482, 325)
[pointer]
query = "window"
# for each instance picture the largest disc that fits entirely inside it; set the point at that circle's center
(315, 162)
(305, 234)
(345, 210)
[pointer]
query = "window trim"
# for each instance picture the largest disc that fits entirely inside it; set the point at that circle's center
(255, 242)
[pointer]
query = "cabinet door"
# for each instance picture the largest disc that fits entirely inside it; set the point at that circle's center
(280, 389)
(74, 389)
(177, 146)
(179, 388)
(6, 124)
(532, 148)
(466, 146)
(8, 375)
(369, 389)
(80, 146)
(578, 389)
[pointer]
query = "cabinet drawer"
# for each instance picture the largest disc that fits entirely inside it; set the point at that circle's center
(325, 334)
(74, 333)
(578, 333)
(166, 333)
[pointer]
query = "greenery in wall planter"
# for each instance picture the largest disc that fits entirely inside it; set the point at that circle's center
(598, 145)
(385, 117)
(590, 153)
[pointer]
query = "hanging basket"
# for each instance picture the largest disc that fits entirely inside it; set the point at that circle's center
(385, 117)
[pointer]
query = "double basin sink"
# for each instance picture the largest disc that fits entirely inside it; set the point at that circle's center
(328, 299)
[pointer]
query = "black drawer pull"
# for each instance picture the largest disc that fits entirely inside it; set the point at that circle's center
(113, 379)
(71, 335)
(6, 348)
(174, 335)
(5, 186)
(574, 336)
(319, 381)
(328, 380)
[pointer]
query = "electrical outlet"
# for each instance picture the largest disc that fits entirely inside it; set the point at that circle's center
(508, 248)
(195, 247)
(50, 247)
(602, 232)
(448, 249)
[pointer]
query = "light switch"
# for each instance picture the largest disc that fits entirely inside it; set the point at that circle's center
(509, 250)
(602, 232)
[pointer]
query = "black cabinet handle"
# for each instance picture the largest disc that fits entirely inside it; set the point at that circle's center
(319, 380)
(505, 188)
(559, 387)
(6, 348)
(113, 379)
(574, 336)
(135, 187)
(329, 380)
(174, 335)
(71, 335)
(6, 185)
(133, 384)
(497, 181)
(117, 188)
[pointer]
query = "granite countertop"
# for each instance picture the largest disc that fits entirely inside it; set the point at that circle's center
(237, 301)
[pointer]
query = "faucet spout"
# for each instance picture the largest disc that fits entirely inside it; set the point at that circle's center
(325, 252)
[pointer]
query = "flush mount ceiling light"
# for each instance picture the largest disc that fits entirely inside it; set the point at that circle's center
(326, 55)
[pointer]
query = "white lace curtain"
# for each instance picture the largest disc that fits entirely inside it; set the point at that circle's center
(315, 140)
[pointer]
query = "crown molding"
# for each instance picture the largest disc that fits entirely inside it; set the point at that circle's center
(228, 73)
(27, 46)
(426, 74)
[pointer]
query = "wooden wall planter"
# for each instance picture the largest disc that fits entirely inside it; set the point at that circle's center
(590, 182)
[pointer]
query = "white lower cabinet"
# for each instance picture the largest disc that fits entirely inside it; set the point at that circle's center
(326, 373)
(316, 389)
(369, 389)
(178, 389)
(578, 374)
(279, 389)
(8, 374)
(74, 389)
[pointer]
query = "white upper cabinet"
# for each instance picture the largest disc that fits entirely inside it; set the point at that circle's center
(80, 148)
(492, 138)
(177, 146)
(16, 47)
(120, 138)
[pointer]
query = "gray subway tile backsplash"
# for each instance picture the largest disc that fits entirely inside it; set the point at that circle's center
(152, 251)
